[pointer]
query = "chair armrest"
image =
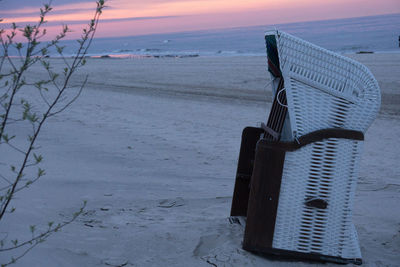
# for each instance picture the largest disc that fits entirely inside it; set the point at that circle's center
(312, 138)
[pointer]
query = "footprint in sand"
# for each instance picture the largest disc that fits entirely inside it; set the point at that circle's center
(169, 203)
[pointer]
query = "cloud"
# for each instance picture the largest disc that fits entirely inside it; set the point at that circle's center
(72, 22)
(33, 5)
(15, 14)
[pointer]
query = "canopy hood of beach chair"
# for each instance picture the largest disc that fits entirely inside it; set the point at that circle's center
(272, 54)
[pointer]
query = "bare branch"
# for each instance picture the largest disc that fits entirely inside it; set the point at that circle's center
(44, 98)
(73, 99)
(49, 231)
(15, 148)
(5, 187)
(5, 179)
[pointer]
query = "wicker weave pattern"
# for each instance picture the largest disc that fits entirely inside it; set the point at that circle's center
(323, 90)
(310, 72)
(326, 170)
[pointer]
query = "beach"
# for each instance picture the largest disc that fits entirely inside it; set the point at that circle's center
(152, 144)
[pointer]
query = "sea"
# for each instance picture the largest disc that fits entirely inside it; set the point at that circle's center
(378, 34)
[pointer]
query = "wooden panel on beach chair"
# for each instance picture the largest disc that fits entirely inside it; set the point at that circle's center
(263, 198)
(250, 137)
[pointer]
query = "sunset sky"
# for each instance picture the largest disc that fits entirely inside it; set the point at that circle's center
(138, 17)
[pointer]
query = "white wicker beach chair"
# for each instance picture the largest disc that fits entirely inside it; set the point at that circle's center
(304, 173)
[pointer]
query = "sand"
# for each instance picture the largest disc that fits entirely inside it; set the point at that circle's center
(152, 145)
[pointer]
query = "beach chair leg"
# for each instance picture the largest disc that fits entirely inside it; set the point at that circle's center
(263, 199)
(250, 137)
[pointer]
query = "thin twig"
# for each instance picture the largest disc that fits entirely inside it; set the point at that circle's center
(73, 99)
(5, 187)
(16, 148)
(48, 232)
(5, 179)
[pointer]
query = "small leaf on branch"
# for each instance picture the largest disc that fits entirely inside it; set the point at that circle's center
(41, 172)
(60, 49)
(46, 64)
(38, 158)
(65, 29)
(27, 32)
(32, 117)
(5, 137)
(54, 76)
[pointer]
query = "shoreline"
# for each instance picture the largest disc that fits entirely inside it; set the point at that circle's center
(131, 54)
(210, 54)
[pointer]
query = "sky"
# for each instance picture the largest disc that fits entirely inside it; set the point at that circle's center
(140, 17)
